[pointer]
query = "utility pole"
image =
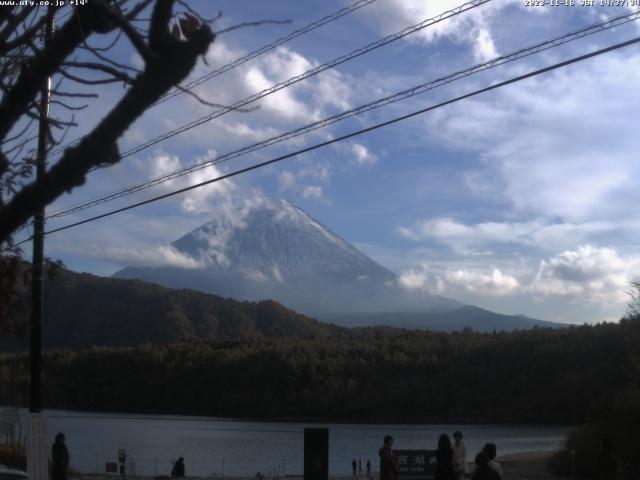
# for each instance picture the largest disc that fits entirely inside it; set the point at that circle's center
(37, 465)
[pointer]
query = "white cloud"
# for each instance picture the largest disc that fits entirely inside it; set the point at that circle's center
(362, 155)
(471, 27)
(143, 256)
(286, 180)
(494, 284)
(591, 274)
(545, 145)
(414, 279)
(256, 276)
(294, 182)
(538, 233)
(277, 275)
(488, 282)
(199, 199)
(312, 191)
(484, 48)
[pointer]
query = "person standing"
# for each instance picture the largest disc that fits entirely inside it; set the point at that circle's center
(360, 466)
(178, 469)
(368, 468)
(444, 458)
(607, 466)
(59, 458)
(354, 465)
(388, 464)
(491, 451)
(459, 456)
(483, 470)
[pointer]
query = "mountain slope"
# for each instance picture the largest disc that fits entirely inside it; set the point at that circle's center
(478, 319)
(273, 249)
(82, 310)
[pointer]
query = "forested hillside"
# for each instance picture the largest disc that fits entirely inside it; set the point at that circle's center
(540, 375)
(83, 310)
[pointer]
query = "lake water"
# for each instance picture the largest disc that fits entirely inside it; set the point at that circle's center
(242, 448)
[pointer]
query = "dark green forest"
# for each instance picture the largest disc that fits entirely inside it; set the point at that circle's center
(540, 375)
(183, 352)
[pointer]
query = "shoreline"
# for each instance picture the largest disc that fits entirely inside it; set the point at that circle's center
(527, 464)
(305, 420)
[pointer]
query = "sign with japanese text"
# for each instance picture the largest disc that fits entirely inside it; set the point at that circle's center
(415, 464)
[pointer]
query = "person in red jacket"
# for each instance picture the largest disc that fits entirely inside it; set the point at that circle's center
(388, 465)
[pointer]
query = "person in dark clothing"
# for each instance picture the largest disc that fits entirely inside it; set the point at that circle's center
(483, 470)
(178, 468)
(354, 465)
(491, 451)
(388, 464)
(607, 466)
(368, 468)
(444, 459)
(59, 458)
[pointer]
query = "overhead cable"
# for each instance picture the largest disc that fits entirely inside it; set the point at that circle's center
(404, 94)
(350, 135)
(299, 78)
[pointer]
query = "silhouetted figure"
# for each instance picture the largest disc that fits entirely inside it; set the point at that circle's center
(368, 468)
(607, 467)
(444, 458)
(360, 466)
(491, 452)
(483, 470)
(388, 464)
(354, 465)
(178, 468)
(459, 456)
(59, 458)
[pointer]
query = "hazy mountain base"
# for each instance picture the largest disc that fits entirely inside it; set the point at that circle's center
(539, 376)
(84, 310)
(467, 316)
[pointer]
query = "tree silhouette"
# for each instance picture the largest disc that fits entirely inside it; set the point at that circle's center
(79, 58)
(168, 45)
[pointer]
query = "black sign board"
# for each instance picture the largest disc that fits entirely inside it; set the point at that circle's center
(415, 464)
(316, 454)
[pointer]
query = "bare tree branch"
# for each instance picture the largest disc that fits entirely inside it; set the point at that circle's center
(114, 72)
(170, 62)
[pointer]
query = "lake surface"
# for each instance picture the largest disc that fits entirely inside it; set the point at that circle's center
(242, 448)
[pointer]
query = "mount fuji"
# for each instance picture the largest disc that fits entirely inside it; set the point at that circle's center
(272, 249)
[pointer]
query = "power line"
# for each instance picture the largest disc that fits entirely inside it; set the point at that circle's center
(250, 56)
(353, 134)
(303, 76)
(419, 89)
(266, 48)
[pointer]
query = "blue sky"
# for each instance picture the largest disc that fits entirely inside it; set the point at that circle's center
(521, 200)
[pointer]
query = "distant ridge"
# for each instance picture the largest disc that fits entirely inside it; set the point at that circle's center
(84, 310)
(467, 316)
